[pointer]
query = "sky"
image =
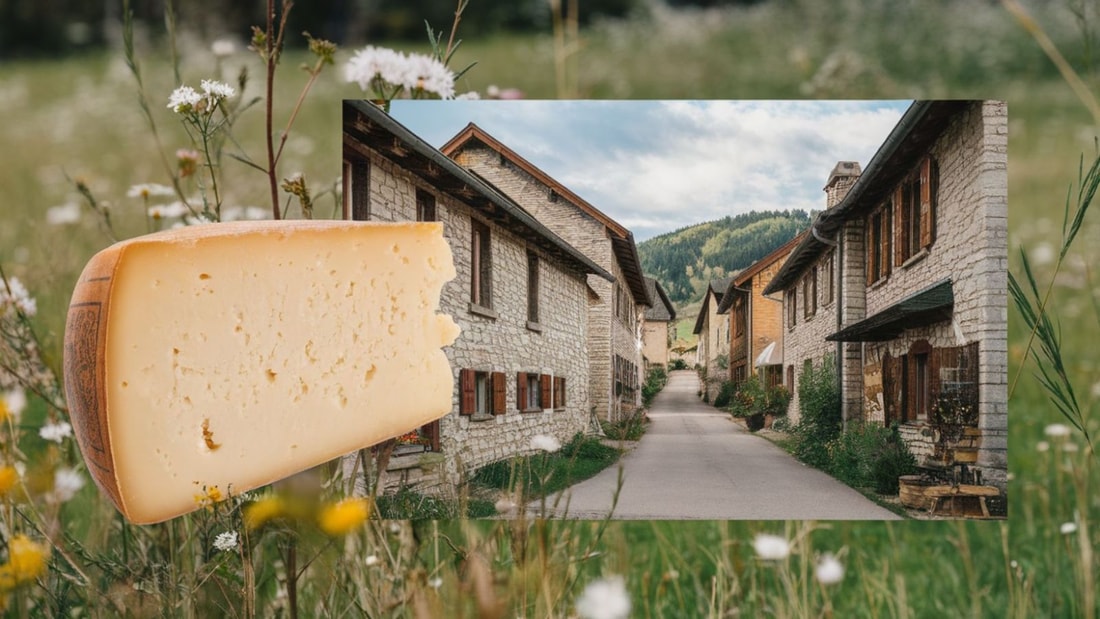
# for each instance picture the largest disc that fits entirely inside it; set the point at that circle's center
(656, 166)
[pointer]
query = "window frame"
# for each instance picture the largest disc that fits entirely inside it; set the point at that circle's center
(425, 206)
(481, 265)
(355, 186)
(532, 289)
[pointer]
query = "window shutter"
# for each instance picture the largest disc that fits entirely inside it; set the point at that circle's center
(890, 390)
(909, 395)
(500, 394)
(544, 384)
(431, 432)
(927, 206)
(466, 398)
(884, 238)
(898, 216)
(937, 358)
(559, 392)
(869, 253)
(521, 390)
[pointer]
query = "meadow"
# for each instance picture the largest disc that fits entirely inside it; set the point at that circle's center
(78, 119)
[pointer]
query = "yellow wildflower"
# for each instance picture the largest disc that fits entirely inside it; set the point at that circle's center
(208, 497)
(9, 479)
(258, 513)
(26, 562)
(341, 517)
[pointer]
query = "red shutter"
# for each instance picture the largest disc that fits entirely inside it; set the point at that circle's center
(927, 209)
(467, 386)
(889, 389)
(431, 432)
(500, 394)
(521, 390)
(545, 385)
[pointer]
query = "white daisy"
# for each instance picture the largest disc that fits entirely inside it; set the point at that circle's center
(604, 599)
(1057, 430)
(771, 547)
(145, 190)
(68, 213)
(12, 402)
(168, 211)
(829, 570)
(66, 483)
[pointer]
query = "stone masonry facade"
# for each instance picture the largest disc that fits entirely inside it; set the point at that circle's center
(804, 337)
(500, 340)
(610, 335)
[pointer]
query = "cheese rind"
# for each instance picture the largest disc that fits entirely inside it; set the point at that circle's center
(229, 356)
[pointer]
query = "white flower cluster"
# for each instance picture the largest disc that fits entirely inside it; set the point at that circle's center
(386, 72)
(14, 296)
(226, 542)
(56, 432)
(604, 599)
(66, 483)
(186, 100)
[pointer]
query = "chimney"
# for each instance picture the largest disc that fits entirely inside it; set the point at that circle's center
(841, 179)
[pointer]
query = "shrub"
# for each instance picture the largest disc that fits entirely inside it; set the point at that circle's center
(655, 381)
(748, 398)
(629, 429)
(725, 394)
(869, 455)
(819, 409)
(776, 400)
(677, 364)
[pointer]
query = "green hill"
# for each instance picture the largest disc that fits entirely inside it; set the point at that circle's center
(686, 259)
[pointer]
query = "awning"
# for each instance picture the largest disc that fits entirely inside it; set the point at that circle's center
(771, 355)
(929, 306)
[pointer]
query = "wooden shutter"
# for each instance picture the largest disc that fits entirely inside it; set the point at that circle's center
(884, 240)
(500, 394)
(360, 190)
(467, 398)
(908, 394)
(559, 392)
(431, 432)
(927, 206)
(891, 390)
(898, 213)
(869, 257)
(544, 388)
(521, 390)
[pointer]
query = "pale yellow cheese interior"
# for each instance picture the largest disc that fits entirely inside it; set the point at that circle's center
(239, 359)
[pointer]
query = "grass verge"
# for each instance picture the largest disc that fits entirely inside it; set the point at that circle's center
(544, 474)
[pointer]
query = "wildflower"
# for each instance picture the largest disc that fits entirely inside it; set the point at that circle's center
(197, 220)
(66, 483)
(208, 497)
(216, 91)
(371, 560)
(371, 63)
(187, 161)
(184, 100)
(236, 213)
(56, 432)
(68, 213)
(1057, 430)
(427, 74)
(168, 211)
(771, 547)
(829, 571)
(435, 583)
(468, 96)
(1042, 255)
(26, 561)
(12, 402)
(544, 442)
(496, 92)
(604, 599)
(342, 517)
(223, 47)
(9, 479)
(226, 542)
(1042, 446)
(260, 512)
(1070, 447)
(1068, 528)
(15, 294)
(146, 190)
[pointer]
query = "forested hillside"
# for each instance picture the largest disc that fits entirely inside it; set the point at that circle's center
(685, 260)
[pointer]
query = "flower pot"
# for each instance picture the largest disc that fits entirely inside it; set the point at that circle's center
(913, 491)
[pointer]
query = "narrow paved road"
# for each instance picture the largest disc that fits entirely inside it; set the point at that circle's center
(695, 462)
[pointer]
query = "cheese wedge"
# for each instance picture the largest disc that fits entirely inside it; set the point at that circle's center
(206, 361)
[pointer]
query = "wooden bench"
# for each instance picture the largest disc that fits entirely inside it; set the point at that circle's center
(964, 494)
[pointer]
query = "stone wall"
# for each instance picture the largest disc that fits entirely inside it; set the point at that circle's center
(806, 340)
(608, 335)
(503, 343)
(655, 342)
(971, 249)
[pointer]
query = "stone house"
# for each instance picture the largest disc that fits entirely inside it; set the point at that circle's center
(713, 330)
(756, 321)
(520, 297)
(916, 247)
(655, 329)
(616, 305)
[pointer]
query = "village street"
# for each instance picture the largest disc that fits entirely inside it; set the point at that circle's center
(695, 462)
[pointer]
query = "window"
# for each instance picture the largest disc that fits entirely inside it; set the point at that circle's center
(739, 317)
(481, 264)
(792, 308)
(790, 378)
(809, 293)
(878, 244)
(559, 392)
(546, 396)
(915, 211)
(532, 287)
(528, 392)
(827, 275)
(425, 206)
(481, 393)
(356, 189)
(626, 378)
(912, 382)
